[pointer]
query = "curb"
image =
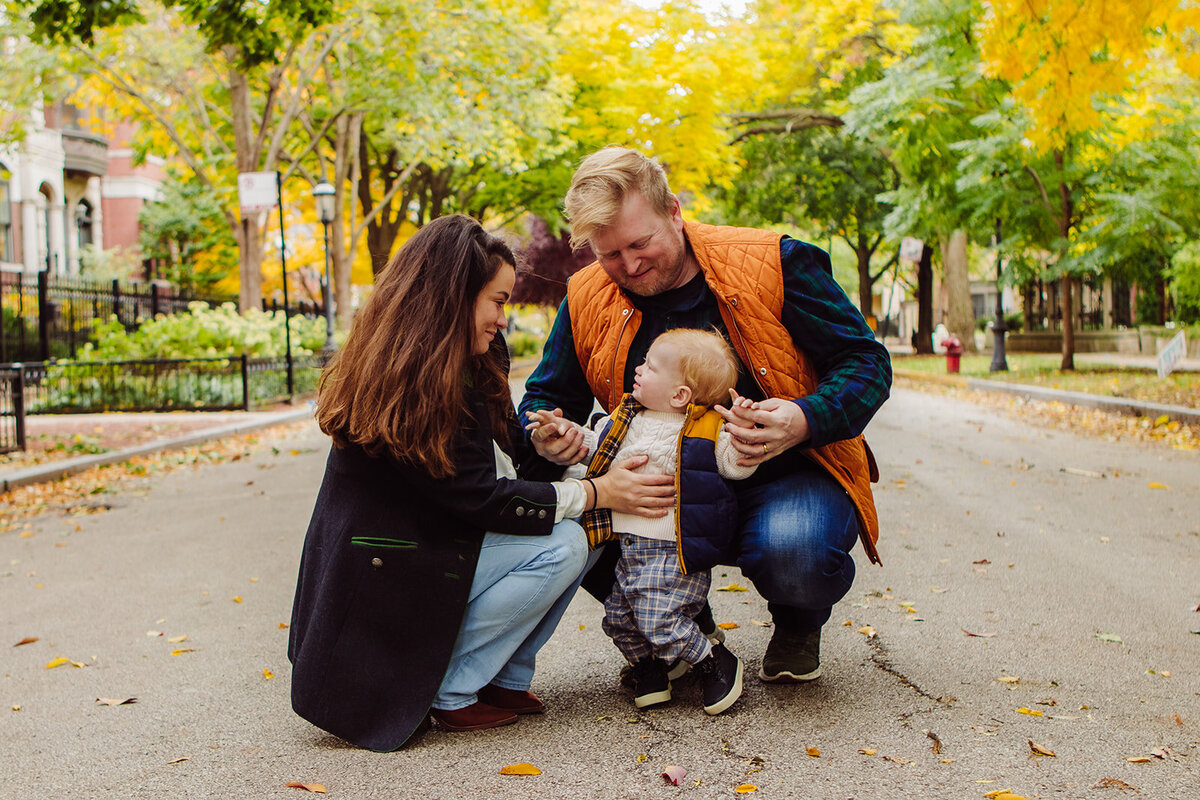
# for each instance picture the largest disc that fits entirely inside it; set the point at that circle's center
(44, 473)
(1117, 405)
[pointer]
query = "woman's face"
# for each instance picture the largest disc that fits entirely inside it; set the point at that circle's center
(489, 309)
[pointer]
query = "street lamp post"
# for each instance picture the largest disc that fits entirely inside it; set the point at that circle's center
(323, 193)
(999, 363)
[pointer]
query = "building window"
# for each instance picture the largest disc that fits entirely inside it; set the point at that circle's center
(83, 224)
(6, 246)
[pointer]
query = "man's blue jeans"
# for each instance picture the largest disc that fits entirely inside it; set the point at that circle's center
(796, 535)
(521, 588)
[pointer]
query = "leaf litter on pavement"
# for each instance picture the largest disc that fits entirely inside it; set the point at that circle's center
(83, 493)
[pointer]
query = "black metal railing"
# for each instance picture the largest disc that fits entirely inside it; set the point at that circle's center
(12, 410)
(192, 384)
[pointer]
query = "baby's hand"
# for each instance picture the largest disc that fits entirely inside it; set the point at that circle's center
(737, 401)
(555, 425)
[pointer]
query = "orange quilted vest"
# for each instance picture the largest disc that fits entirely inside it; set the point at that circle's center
(744, 272)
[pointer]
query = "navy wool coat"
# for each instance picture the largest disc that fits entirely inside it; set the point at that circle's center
(385, 575)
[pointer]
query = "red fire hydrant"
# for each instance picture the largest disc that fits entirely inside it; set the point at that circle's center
(954, 350)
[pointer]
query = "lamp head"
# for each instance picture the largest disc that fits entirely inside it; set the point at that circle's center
(323, 194)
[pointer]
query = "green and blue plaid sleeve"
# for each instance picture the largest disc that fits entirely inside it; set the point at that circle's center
(855, 370)
(558, 381)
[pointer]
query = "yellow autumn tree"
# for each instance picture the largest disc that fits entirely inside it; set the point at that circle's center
(1080, 70)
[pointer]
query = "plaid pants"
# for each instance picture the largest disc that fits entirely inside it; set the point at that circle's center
(649, 611)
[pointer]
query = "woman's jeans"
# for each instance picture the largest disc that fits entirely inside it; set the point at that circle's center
(796, 535)
(522, 587)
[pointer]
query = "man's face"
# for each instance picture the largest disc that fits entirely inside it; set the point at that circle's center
(643, 252)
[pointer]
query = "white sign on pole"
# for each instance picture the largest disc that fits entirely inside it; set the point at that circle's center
(1171, 354)
(257, 191)
(910, 248)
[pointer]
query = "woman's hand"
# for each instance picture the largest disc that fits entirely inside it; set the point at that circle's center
(555, 439)
(622, 489)
(764, 429)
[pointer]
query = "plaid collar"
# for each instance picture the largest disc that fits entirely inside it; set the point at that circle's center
(597, 523)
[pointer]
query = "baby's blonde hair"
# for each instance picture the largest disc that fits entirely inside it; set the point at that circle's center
(707, 363)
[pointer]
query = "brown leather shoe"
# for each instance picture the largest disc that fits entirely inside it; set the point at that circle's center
(474, 717)
(511, 700)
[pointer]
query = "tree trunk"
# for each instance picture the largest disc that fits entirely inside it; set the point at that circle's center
(924, 343)
(865, 282)
(249, 238)
(1068, 325)
(348, 127)
(960, 316)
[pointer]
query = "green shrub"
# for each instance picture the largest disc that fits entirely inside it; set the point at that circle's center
(204, 332)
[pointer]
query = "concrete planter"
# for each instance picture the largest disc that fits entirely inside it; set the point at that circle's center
(1109, 341)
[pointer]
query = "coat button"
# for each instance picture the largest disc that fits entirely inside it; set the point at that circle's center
(542, 514)
(376, 562)
(733, 301)
(520, 511)
(762, 370)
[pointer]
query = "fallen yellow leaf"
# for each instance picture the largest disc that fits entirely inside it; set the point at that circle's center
(642, 757)
(58, 662)
(868, 751)
(283, 626)
(746, 788)
(311, 787)
(182, 650)
(1138, 760)
(1157, 485)
(523, 768)
(1009, 679)
(1031, 712)
(733, 587)
(237, 599)
(178, 639)
(1004, 794)
(16, 708)
(268, 674)
(812, 751)
(867, 631)
(727, 626)
(1038, 750)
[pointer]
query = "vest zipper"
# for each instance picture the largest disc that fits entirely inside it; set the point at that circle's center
(616, 351)
(746, 350)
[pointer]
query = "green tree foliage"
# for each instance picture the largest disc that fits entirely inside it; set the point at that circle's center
(185, 232)
(823, 181)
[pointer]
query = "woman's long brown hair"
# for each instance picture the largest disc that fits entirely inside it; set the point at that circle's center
(399, 383)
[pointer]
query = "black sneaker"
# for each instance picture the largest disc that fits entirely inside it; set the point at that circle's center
(792, 657)
(708, 625)
(674, 672)
(720, 679)
(651, 686)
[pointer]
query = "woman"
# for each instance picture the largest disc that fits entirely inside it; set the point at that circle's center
(431, 573)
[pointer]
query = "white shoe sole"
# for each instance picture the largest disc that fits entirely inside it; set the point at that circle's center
(729, 699)
(789, 677)
(653, 699)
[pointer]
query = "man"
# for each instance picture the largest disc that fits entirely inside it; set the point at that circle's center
(807, 356)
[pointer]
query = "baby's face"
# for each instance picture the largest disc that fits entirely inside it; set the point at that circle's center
(657, 380)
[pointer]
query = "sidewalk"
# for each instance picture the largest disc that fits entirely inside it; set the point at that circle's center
(141, 433)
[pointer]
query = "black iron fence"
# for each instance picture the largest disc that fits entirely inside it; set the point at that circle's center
(191, 384)
(47, 316)
(12, 410)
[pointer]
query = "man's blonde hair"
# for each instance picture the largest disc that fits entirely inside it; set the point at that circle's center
(706, 363)
(601, 183)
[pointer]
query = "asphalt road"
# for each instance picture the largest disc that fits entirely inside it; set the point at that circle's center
(1039, 541)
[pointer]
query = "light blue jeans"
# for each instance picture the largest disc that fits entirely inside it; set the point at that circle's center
(522, 587)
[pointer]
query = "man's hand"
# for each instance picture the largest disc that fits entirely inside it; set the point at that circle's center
(764, 429)
(644, 494)
(555, 439)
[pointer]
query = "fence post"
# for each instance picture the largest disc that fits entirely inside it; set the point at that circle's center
(116, 295)
(43, 289)
(18, 404)
(153, 300)
(245, 383)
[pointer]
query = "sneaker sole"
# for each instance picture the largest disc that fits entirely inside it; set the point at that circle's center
(653, 699)
(729, 699)
(717, 636)
(789, 677)
(680, 669)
